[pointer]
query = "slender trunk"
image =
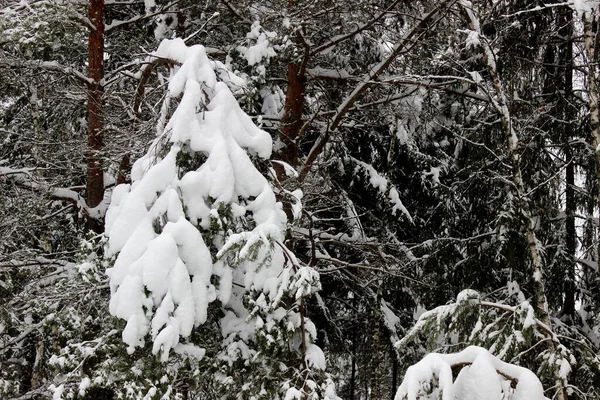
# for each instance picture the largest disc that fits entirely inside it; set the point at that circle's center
(571, 244)
(354, 339)
(566, 31)
(37, 375)
(353, 374)
(589, 238)
(95, 171)
(394, 376)
(501, 104)
(37, 128)
(375, 359)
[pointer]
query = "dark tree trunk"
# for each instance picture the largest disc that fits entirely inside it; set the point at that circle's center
(394, 375)
(566, 31)
(124, 167)
(95, 171)
(353, 376)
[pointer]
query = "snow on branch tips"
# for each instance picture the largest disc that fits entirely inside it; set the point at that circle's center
(200, 228)
(385, 188)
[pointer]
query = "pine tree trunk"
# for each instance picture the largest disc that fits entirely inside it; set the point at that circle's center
(292, 117)
(95, 171)
(291, 123)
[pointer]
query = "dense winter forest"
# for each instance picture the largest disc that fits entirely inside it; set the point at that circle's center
(299, 199)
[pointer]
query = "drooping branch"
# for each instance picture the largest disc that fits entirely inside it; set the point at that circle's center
(405, 45)
(25, 178)
(146, 73)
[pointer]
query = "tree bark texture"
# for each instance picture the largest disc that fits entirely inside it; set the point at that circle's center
(291, 123)
(95, 123)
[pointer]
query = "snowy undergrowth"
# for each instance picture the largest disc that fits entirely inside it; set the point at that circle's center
(482, 377)
(511, 333)
(199, 236)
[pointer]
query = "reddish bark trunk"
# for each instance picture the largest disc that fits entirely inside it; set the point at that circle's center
(292, 118)
(291, 126)
(95, 172)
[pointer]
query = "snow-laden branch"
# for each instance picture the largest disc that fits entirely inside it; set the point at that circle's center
(329, 73)
(429, 81)
(51, 66)
(122, 2)
(575, 4)
(25, 177)
(348, 265)
(117, 23)
(481, 377)
(385, 187)
(28, 6)
(449, 319)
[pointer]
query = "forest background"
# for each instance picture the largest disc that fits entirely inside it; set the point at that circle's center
(419, 149)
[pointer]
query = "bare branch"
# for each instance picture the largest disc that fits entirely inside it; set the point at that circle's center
(236, 12)
(338, 39)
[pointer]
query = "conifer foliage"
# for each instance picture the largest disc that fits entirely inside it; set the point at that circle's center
(198, 236)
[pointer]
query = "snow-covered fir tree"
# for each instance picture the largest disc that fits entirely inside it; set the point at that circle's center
(202, 274)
